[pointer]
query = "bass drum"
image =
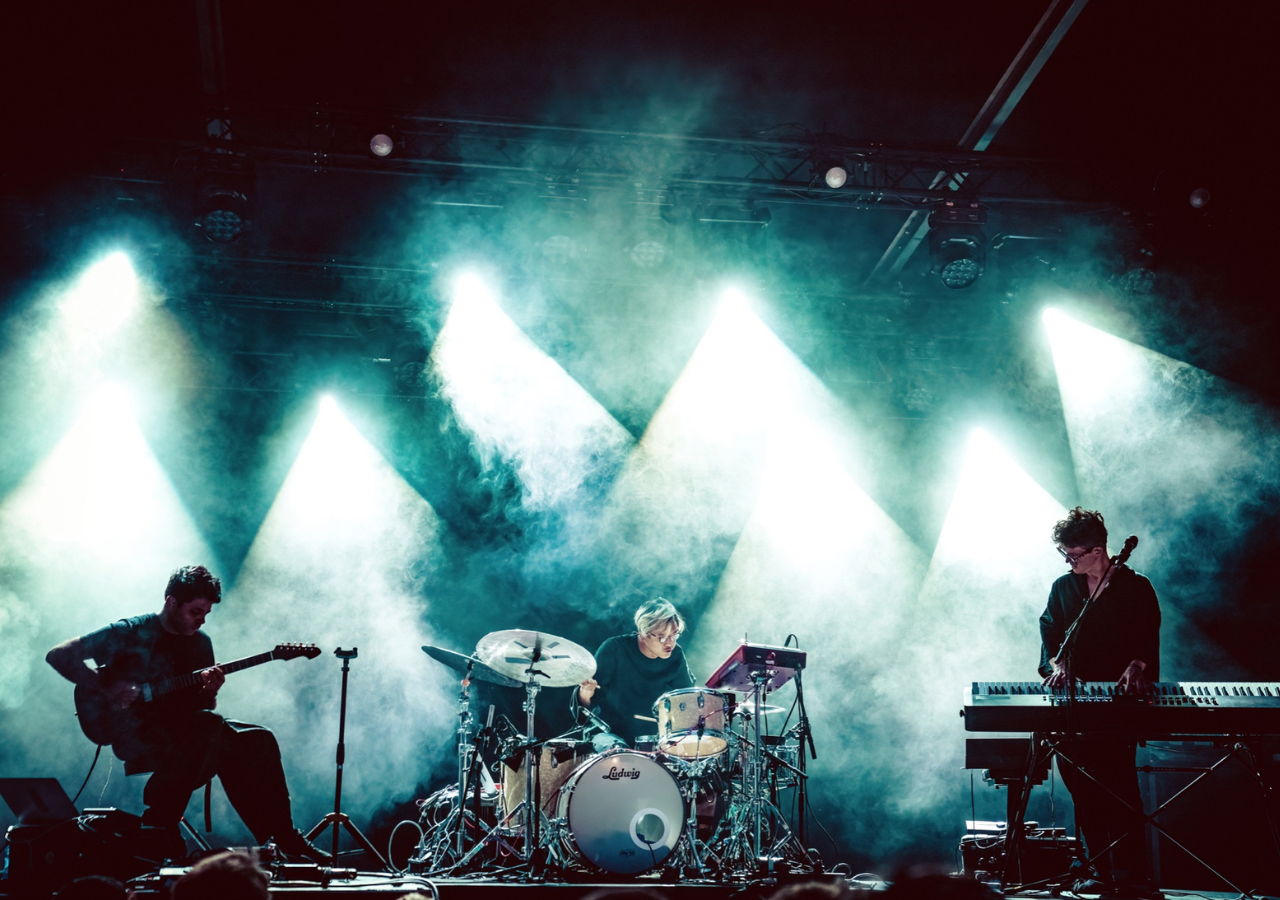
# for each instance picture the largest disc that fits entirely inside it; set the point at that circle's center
(622, 812)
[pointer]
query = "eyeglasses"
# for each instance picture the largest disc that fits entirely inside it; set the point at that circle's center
(669, 639)
(1072, 560)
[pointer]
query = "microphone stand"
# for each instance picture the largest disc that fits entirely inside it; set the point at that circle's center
(338, 819)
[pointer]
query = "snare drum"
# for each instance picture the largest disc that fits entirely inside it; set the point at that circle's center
(622, 812)
(683, 714)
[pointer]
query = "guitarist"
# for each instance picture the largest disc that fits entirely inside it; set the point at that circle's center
(178, 738)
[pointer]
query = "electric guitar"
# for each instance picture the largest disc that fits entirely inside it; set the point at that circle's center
(104, 723)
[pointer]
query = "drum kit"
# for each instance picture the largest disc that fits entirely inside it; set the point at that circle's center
(698, 800)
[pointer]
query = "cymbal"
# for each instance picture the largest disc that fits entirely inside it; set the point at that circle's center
(460, 661)
(534, 656)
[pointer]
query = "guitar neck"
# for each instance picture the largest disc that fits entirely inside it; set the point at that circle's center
(191, 679)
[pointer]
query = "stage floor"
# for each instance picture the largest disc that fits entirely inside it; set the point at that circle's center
(380, 884)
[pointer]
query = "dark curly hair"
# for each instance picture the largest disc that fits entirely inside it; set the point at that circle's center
(1082, 528)
(189, 582)
(221, 877)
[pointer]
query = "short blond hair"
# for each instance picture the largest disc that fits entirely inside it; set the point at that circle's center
(657, 612)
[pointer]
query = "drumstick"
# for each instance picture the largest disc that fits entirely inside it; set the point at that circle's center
(645, 718)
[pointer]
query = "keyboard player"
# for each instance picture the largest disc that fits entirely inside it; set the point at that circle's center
(1118, 641)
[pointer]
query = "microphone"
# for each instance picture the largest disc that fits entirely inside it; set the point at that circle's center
(1129, 544)
(593, 718)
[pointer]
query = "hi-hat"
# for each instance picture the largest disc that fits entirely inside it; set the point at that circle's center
(460, 661)
(544, 659)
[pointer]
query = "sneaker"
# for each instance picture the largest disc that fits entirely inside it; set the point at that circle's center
(1089, 887)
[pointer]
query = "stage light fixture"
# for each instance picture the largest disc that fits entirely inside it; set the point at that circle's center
(1199, 198)
(381, 145)
(836, 177)
(224, 186)
(224, 219)
(957, 245)
(1139, 279)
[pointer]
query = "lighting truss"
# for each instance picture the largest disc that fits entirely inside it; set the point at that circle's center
(487, 160)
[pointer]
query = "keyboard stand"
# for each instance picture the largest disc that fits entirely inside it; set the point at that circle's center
(1046, 747)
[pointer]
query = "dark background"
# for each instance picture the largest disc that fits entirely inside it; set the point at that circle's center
(103, 127)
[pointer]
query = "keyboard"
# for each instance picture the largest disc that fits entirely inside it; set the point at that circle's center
(1173, 708)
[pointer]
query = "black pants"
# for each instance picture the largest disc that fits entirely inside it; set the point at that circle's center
(1102, 817)
(246, 758)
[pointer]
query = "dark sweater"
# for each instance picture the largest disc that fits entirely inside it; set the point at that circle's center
(630, 683)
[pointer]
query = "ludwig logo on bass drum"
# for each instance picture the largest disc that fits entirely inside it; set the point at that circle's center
(617, 774)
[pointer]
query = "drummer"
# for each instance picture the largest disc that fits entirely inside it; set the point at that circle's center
(634, 670)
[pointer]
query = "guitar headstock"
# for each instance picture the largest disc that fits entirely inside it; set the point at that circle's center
(293, 651)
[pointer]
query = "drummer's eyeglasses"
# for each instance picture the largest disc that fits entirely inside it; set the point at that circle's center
(1072, 560)
(669, 639)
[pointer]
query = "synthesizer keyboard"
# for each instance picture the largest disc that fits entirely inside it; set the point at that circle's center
(1172, 708)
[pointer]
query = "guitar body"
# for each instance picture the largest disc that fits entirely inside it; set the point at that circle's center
(99, 722)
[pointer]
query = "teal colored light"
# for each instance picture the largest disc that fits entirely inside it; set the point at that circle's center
(103, 298)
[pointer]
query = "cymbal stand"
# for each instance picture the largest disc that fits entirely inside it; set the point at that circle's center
(466, 752)
(532, 808)
(743, 825)
(759, 678)
(696, 849)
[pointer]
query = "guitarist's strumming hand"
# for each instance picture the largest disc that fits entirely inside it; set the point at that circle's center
(121, 693)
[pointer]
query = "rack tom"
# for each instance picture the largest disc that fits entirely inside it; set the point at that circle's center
(693, 723)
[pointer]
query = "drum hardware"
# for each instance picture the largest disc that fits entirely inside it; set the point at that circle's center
(696, 851)
(783, 760)
(538, 660)
(805, 736)
(756, 670)
(471, 769)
